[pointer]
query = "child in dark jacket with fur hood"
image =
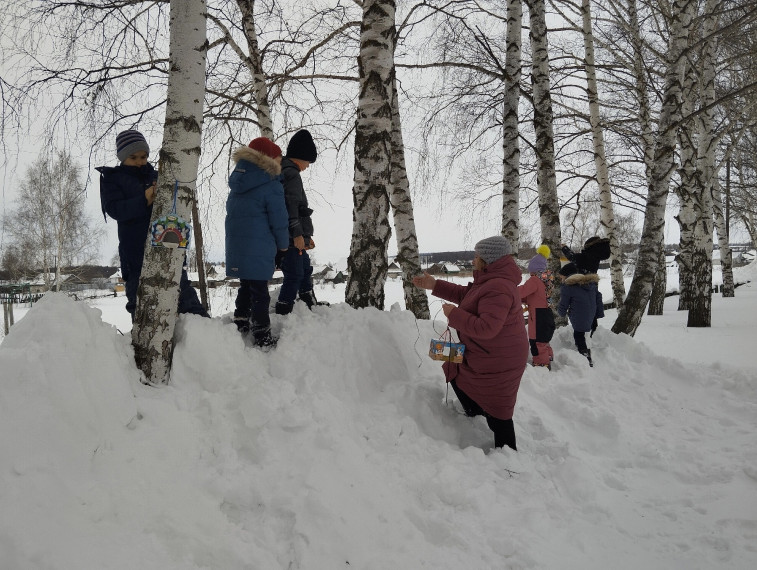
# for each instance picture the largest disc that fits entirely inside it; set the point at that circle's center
(257, 226)
(581, 300)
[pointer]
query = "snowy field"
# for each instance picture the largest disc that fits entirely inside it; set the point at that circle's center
(339, 449)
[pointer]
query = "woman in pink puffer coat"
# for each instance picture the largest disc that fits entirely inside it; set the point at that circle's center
(489, 321)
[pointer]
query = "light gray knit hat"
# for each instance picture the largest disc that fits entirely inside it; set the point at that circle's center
(492, 248)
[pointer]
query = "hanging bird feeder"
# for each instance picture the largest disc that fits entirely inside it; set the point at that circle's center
(171, 231)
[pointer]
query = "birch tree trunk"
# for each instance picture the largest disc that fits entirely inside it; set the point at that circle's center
(747, 217)
(367, 263)
(408, 255)
(726, 255)
(254, 62)
(158, 293)
(549, 210)
(660, 285)
(632, 311)
(200, 256)
(510, 139)
(607, 215)
(642, 88)
(700, 311)
(686, 217)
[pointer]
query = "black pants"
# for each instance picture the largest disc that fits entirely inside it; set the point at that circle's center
(504, 430)
(295, 265)
(252, 304)
(580, 339)
(534, 349)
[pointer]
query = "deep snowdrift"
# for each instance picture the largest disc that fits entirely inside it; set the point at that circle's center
(337, 450)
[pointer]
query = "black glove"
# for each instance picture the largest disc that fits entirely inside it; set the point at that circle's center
(279, 258)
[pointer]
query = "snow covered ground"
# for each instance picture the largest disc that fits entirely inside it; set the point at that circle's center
(338, 449)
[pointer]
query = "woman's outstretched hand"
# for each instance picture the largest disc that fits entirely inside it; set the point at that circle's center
(424, 281)
(447, 309)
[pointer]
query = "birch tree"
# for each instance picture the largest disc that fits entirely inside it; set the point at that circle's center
(408, 255)
(368, 263)
(50, 216)
(726, 254)
(686, 217)
(632, 310)
(607, 214)
(510, 130)
(659, 286)
(700, 311)
(254, 61)
(158, 293)
(549, 212)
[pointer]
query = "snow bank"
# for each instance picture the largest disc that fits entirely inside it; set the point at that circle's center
(337, 450)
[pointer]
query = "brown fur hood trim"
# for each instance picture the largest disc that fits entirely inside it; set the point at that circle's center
(580, 279)
(259, 159)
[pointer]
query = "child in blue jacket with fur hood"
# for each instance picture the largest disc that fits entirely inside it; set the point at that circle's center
(257, 225)
(127, 192)
(581, 300)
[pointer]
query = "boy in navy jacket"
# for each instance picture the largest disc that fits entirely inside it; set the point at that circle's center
(127, 192)
(295, 263)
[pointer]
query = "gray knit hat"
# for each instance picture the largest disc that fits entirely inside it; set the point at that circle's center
(492, 248)
(130, 142)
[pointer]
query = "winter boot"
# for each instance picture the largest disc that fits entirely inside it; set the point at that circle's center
(264, 338)
(243, 324)
(284, 308)
(310, 300)
(587, 354)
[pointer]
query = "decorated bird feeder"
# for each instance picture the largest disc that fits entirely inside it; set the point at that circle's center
(171, 231)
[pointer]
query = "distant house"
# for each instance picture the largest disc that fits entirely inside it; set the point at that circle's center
(320, 271)
(215, 276)
(92, 277)
(40, 282)
(443, 268)
(464, 265)
(336, 277)
(394, 270)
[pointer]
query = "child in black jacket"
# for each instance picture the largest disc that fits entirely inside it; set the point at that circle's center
(595, 249)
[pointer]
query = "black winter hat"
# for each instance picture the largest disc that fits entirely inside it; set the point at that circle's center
(301, 146)
(568, 269)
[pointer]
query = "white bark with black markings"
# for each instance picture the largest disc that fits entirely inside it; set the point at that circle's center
(546, 180)
(510, 138)
(632, 311)
(408, 256)
(700, 310)
(368, 263)
(158, 294)
(607, 213)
